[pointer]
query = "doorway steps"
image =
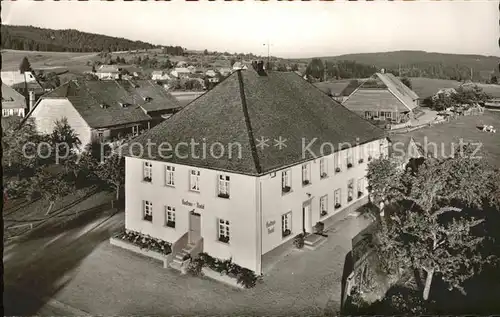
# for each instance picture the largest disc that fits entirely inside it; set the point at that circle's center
(313, 241)
(178, 263)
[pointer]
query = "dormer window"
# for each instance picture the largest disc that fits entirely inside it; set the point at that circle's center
(104, 106)
(148, 99)
(124, 104)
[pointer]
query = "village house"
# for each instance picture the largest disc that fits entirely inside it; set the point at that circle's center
(13, 103)
(239, 65)
(211, 73)
(180, 72)
(108, 72)
(160, 75)
(225, 71)
(24, 83)
(383, 97)
(191, 69)
(250, 186)
(104, 110)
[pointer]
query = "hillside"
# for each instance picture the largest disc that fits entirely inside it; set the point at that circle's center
(31, 38)
(424, 64)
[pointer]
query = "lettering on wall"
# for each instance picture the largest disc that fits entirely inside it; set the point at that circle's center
(270, 226)
(191, 204)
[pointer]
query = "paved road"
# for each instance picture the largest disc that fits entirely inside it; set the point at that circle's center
(82, 273)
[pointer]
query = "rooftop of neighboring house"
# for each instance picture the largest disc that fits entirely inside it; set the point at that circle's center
(100, 103)
(11, 99)
(108, 69)
(159, 72)
(386, 84)
(250, 105)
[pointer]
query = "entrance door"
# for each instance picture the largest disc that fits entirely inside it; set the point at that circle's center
(306, 217)
(194, 227)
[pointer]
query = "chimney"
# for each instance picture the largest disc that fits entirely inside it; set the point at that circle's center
(31, 102)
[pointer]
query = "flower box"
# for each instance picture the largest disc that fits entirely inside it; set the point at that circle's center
(306, 182)
(360, 161)
(323, 213)
(337, 170)
(286, 189)
(148, 218)
(323, 175)
(360, 194)
(171, 224)
(349, 165)
(148, 179)
(286, 233)
(224, 239)
(349, 198)
(223, 195)
(337, 206)
(369, 158)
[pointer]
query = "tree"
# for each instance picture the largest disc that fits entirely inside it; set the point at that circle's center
(64, 138)
(112, 171)
(25, 65)
(50, 187)
(406, 81)
(205, 52)
(426, 226)
(19, 145)
(316, 69)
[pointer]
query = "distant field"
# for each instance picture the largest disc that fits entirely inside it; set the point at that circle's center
(54, 61)
(425, 87)
(465, 128)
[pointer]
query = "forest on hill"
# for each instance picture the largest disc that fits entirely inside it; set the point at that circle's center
(30, 38)
(424, 64)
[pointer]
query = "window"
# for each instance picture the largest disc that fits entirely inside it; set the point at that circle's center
(169, 175)
(5, 112)
(368, 114)
(306, 178)
(370, 151)
(337, 198)
(286, 182)
(286, 224)
(350, 189)
(170, 216)
(323, 205)
(361, 153)
(383, 148)
(100, 136)
(147, 210)
(194, 181)
(148, 172)
(349, 159)
(223, 186)
(336, 162)
(223, 231)
(322, 168)
(361, 187)
(135, 130)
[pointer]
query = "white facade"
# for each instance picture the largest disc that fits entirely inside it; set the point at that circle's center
(258, 211)
(11, 78)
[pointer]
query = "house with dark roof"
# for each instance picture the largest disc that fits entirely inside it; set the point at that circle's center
(383, 97)
(105, 110)
(247, 166)
(13, 103)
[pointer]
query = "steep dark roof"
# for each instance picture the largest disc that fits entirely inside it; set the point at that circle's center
(88, 96)
(11, 99)
(245, 107)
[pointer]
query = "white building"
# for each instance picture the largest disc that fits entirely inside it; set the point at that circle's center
(160, 75)
(180, 72)
(108, 72)
(235, 197)
(13, 103)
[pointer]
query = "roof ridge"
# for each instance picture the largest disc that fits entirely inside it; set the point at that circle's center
(248, 124)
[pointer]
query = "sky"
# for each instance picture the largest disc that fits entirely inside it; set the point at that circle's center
(294, 29)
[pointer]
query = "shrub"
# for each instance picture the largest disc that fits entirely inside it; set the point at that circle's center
(247, 278)
(298, 241)
(195, 266)
(145, 241)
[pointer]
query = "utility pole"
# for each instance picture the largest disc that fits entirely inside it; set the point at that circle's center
(471, 74)
(268, 51)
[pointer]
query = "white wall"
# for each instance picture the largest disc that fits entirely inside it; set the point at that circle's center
(275, 204)
(48, 111)
(239, 209)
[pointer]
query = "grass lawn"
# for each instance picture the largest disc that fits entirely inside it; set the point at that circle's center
(464, 128)
(21, 211)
